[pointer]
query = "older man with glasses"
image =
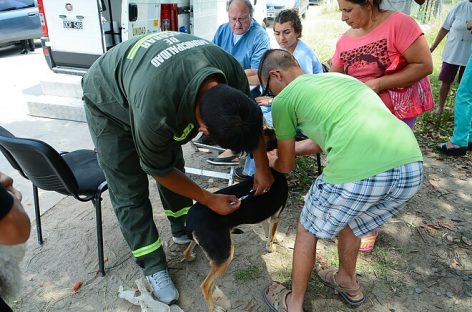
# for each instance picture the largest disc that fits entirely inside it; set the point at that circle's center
(246, 40)
(243, 37)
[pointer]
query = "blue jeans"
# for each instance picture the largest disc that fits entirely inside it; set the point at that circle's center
(250, 165)
(462, 134)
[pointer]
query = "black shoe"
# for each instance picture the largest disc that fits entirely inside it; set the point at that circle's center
(451, 151)
(240, 175)
(206, 142)
(224, 161)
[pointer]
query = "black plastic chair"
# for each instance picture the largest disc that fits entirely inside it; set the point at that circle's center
(74, 174)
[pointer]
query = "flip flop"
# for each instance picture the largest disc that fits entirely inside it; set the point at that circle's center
(275, 296)
(328, 277)
(368, 241)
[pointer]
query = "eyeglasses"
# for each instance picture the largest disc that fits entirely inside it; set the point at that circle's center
(240, 20)
(266, 91)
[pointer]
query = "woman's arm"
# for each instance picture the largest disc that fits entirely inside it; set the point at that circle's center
(420, 64)
(439, 37)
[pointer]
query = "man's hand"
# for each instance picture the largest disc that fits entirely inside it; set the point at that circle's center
(223, 204)
(264, 100)
(263, 180)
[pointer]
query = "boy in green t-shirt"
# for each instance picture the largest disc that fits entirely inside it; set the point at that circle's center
(374, 166)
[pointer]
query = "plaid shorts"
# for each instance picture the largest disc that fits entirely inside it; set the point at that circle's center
(363, 205)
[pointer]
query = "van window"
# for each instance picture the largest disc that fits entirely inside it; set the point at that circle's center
(10, 5)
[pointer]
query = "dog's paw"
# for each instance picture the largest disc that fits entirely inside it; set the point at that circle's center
(219, 309)
(270, 247)
(189, 257)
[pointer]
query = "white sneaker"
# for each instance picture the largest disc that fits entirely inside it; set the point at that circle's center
(163, 288)
(181, 240)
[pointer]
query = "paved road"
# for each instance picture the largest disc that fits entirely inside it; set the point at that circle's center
(24, 72)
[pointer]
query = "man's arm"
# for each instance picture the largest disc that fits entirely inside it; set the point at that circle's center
(285, 160)
(307, 147)
(252, 78)
(263, 178)
(288, 150)
(179, 183)
(15, 226)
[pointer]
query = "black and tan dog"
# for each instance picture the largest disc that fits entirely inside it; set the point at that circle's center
(213, 231)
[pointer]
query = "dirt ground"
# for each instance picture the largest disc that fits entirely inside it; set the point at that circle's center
(422, 260)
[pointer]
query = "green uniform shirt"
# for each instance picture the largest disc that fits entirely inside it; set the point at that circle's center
(350, 123)
(149, 84)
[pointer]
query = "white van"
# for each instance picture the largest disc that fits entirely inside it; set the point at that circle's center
(275, 6)
(77, 32)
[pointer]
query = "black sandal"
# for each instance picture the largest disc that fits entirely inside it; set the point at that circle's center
(451, 151)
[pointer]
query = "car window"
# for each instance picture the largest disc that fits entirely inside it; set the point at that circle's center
(9, 5)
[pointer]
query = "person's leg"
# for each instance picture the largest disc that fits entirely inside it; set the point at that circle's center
(446, 76)
(443, 93)
(24, 44)
(348, 248)
(128, 188)
(410, 122)
(304, 255)
(462, 134)
(249, 166)
(31, 45)
(176, 206)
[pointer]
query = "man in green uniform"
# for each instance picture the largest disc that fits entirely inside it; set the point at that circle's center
(144, 99)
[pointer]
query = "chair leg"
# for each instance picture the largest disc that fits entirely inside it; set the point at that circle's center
(97, 203)
(38, 215)
(318, 161)
(101, 259)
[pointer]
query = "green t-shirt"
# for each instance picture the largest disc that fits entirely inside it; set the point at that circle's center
(352, 125)
(148, 85)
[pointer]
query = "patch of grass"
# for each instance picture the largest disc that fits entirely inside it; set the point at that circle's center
(247, 274)
(305, 172)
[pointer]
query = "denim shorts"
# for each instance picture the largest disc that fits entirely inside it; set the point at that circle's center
(362, 205)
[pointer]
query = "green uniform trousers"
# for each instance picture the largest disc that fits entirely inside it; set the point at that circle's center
(128, 187)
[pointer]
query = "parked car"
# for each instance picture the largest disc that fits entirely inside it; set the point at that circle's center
(19, 20)
(275, 6)
(260, 11)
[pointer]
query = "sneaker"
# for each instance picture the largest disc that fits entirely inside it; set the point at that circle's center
(181, 240)
(163, 288)
(240, 175)
(224, 161)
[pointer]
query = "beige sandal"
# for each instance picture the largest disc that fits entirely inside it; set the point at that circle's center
(328, 277)
(275, 295)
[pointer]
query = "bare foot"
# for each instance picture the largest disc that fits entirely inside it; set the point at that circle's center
(226, 153)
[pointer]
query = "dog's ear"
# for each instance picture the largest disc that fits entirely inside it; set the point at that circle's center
(270, 139)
